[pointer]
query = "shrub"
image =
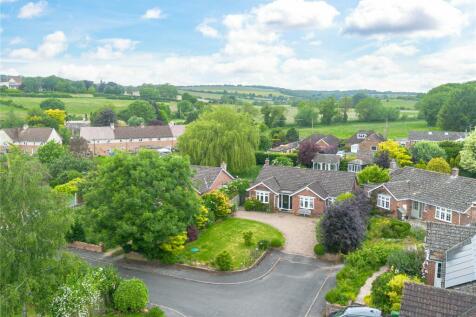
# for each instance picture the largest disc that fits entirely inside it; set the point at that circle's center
(223, 261)
(202, 218)
(192, 233)
(155, 312)
(276, 243)
(263, 244)
(373, 174)
(438, 164)
(253, 204)
(262, 156)
(319, 249)
(282, 161)
(248, 238)
(406, 261)
(344, 196)
(388, 228)
(131, 296)
(217, 203)
(418, 233)
(174, 244)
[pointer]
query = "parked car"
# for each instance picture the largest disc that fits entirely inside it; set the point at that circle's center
(357, 311)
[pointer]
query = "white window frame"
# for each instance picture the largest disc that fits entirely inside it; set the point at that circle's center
(383, 201)
(262, 196)
(306, 202)
(361, 135)
(443, 214)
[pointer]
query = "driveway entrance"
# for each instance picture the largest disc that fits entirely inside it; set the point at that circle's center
(300, 232)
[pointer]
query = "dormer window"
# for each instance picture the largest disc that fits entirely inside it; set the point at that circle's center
(361, 135)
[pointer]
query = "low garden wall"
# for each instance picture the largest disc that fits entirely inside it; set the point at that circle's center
(87, 246)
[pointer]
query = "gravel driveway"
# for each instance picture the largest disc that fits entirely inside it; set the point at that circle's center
(300, 232)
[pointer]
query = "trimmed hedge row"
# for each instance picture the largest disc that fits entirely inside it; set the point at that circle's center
(261, 156)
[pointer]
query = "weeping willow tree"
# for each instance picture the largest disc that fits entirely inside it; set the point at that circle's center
(221, 135)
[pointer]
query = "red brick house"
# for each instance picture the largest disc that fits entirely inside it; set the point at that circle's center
(451, 256)
(207, 178)
(325, 143)
(415, 193)
(300, 191)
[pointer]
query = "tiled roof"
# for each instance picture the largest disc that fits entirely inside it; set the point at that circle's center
(456, 193)
(329, 139)
(442, 236)
(204, 176)
(108, 133)
(326, 158)
(436, 135)
(370, 134)
(291, 179)
(29, 134)
(428, 301)
(285, 147)
(177, 129)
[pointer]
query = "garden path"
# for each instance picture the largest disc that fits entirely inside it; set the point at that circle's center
(365, 290)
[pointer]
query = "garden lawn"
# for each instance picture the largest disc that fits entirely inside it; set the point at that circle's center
(227, 235)
(396, 129)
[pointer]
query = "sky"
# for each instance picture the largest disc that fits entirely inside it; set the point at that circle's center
(398, 45)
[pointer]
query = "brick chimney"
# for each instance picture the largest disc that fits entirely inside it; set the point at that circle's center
(223, 165)
(454, 172)
(266, 162)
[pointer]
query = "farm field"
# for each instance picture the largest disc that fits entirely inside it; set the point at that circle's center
(235, 89)
(396, 129)
(400, 103)
(75, 105)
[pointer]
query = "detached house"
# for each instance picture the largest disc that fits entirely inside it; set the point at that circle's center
(451, 256)
(364, 142)
(325, 143)
(104, 140)
(207, 178)
(414, 193)
(28, 139)
(326, 162)
(300, 191)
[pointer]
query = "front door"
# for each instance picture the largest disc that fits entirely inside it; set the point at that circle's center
(438, 272)
(285, 202)
(417, 208)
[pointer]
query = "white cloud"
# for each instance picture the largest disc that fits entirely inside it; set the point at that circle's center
(7, 1)
(153, 13)
(296, 13)
(397, 50)
(112, 48)
(16, 40)
(32, 9)
(422, 18)
(53, 44)
(207, 30)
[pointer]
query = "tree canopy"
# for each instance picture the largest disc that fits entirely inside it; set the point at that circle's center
(273, 116)
(52, 103)
(328, 110)
(221, 135)
(373, 174)
(139, 201)
(468, 153)
(307, 114)
(103, 117)
(396, 151)
(438, 164)
(34, 221)
(372, 109)
(425, 151)
(139, 108)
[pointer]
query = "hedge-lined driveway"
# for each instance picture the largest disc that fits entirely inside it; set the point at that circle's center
(300, 232)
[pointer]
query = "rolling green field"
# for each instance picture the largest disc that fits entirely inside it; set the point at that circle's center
(402, 104)
(234, 90)
(396, 129)
(75, 105)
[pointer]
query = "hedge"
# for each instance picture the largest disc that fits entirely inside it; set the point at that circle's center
(261, 156)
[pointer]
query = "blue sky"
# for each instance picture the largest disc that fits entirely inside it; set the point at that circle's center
(400, 45)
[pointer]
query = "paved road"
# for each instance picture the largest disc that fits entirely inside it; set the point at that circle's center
(281, 286)
(300, 232)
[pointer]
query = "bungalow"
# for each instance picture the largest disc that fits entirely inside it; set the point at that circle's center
(286, 148)
(206, 178)
(415, 193)
(426, 301)
(28, 139)
(434, 136)
(300, 191)
(104, 140)
(360, 162)
(451, 256)
(326, 162)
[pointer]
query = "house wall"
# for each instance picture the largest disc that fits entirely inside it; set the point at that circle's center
(252, 194)
(102, 149)
(366, 145)
(319, 204)
(221, 180)
(428, 213)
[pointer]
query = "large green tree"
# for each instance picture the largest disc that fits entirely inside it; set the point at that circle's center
(139, 108)
(139, 201)
(459, 111)
(425, 151)
(307, 114)
(431, 103)
(328, 109)
(273, 116)
(33, 224)
(221, 135)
